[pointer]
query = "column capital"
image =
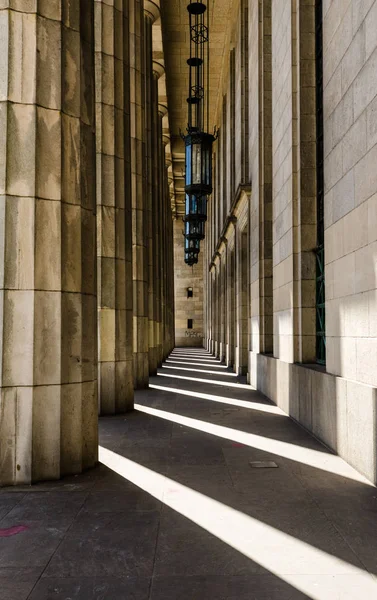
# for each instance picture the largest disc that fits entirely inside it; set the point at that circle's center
(158, 68)
(162, 109)
(152, 9)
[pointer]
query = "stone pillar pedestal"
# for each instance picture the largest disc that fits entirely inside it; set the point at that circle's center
(48, 288)
(115, 297)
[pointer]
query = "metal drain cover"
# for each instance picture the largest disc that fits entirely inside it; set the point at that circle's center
(263, 464)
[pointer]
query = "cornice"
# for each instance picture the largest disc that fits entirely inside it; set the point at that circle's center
(242, 191)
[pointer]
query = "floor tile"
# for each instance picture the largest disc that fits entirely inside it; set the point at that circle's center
(8, 501)
(98, 588)
(257, 587)
(16, 584)
(107, 544)
(186, 549)
(130, 499)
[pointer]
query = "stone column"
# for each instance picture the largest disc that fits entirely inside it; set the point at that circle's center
(213, 308)
(223, 309)
(48, 308)
(171, 279)
(167, 246)
(148, 23)
(114, 219)
(157, 233)
(170, 237)
(216, 349)
(162, 110)
(165, 240)
(138, 177)
(209, 302)
(230, 300)
(151, 14)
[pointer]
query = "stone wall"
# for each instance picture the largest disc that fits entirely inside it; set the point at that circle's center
(187, 308)
(337, 402)
(350, 114)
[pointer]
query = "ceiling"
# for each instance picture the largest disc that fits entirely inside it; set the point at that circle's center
(176, 38)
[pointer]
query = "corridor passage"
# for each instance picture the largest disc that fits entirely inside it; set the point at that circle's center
(205, 492)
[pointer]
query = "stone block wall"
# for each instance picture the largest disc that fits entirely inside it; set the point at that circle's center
(337, 402)
(187, 308)
(283, 179)
(350, 115)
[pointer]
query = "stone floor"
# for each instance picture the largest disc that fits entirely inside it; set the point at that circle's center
(205, 492)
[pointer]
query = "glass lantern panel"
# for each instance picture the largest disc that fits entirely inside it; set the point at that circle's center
(207, 169)
(188, 164)
(196, 164)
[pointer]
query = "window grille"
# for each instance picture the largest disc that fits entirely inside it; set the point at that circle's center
(320, 249)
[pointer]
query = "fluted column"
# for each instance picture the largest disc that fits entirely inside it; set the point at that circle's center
(213, 308)
(217, 309)
(169, 279)
(139, 214)
(161, 234)
(171, 324)
(48, 308)
(114, 219)
(223, 308)
(156, 212)
(151, 13)
(162, 224)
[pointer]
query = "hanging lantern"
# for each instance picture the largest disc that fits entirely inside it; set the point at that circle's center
(192, 249)
(191, 258)
(199, 163)
(198, 143)
(196, 208)
(192, 246)
(199, 65)
(194, 230)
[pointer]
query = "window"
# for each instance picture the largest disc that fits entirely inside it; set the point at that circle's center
(189, 323)
(190, 292)
(320, 250)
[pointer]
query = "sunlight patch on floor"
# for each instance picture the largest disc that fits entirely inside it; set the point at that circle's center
(280, 553)
(166, 366)
(201, 354)
(331, 463)
(195, 364)
(266, 408)
(198, 352)
(241, 386)
(206, 359)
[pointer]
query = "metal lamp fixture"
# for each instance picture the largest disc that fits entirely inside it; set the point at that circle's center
(192, 249)
(199, 162)
(196, 208)
(194, 230)
(198, 142)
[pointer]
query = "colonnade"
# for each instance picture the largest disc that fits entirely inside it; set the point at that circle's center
(86, 249)
(227, 333)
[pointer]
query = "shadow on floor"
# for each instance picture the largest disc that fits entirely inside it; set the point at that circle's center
(178, 513)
